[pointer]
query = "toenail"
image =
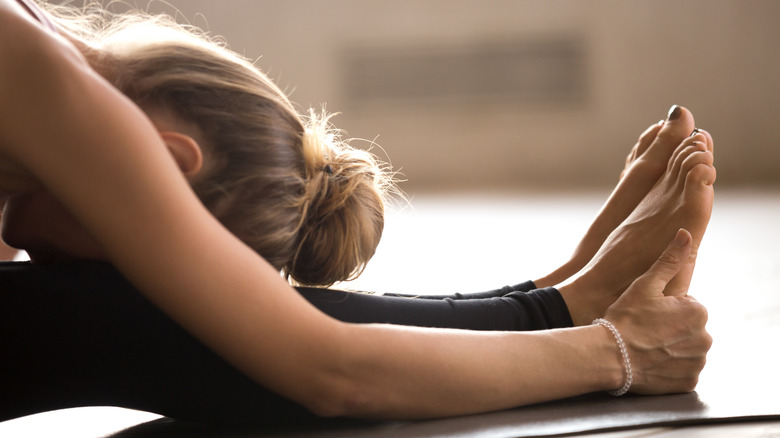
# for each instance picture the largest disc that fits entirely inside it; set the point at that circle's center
(695, 131)
(674, 113)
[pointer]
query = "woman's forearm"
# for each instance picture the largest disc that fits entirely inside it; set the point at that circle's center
(406, 372)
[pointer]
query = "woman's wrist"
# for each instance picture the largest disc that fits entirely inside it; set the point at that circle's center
(626, 359)
(606, 358)
(589, 359)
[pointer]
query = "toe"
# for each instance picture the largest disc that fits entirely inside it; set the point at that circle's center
(699, 155)
(686, 156)
(675, 129)
(687, 147)
(701, 171)
(703, 135)
(646, 139)
(678, 126)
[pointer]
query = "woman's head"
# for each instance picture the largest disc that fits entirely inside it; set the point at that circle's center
(286, 185)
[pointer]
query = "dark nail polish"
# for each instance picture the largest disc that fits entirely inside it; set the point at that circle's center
(674, 113)
(695, 131)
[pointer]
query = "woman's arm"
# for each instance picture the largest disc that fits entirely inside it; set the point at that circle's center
(6, 252)
(102, 158)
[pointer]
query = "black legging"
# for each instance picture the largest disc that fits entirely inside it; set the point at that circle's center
(78, 334)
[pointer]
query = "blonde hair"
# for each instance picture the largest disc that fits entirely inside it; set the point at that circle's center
(286, 185)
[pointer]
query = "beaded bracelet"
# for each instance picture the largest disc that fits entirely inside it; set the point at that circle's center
(623, 352)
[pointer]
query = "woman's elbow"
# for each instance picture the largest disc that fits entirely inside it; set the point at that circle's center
(337, 402)
(337, 392)
(344, 381)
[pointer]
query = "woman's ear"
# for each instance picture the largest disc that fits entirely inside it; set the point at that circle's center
(185, 151)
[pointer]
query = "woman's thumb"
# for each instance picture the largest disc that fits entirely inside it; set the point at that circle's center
(670, 262)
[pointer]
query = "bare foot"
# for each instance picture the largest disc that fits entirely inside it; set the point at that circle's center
(682, 198)
(645, 164)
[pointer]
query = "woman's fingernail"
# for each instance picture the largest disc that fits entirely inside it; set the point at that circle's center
(674, 113)
(681, 239)
(695, 131)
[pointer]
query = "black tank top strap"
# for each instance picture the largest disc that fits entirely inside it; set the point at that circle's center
(38, 14)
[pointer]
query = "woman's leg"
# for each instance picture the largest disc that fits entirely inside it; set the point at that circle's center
(78, 334)
(645, 165)
(682, 198)
(510, 308)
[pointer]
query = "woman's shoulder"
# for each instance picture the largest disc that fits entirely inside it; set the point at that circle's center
(13, 12)
(41, 73)
(38, 14)
(25, 42)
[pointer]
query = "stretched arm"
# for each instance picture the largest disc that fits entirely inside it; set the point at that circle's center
(6, 252)
(101, 157)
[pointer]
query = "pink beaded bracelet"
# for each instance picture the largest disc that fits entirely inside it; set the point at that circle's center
(623, 352)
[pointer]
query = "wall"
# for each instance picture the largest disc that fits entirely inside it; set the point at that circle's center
(717, 57)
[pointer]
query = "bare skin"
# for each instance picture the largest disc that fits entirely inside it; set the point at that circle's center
(6, 252)
(682, 198)
(645, 164)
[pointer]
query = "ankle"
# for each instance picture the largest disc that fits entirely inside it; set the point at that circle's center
(575, 295)
(560, 275)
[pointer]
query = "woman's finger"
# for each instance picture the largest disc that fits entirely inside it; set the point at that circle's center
(669, 263)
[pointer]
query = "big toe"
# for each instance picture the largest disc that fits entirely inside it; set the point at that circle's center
(697, 208)
(678, 126)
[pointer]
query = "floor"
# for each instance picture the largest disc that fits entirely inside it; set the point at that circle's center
(478, 236)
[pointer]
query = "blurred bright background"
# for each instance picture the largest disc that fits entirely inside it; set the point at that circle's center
(517, 95)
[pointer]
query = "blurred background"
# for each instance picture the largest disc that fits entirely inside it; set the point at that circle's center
(519, 95)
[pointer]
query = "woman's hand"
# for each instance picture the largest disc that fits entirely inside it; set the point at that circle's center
(665, 335)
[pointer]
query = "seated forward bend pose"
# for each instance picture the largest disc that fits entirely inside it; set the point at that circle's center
(106, 160)
(110, 347)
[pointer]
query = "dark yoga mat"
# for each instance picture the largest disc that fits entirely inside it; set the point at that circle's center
(590, 413)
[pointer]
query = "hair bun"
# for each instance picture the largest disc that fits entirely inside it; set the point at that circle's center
(288, 187)
(343, 211)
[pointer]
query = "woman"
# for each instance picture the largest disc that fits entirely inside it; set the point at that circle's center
(118, 166)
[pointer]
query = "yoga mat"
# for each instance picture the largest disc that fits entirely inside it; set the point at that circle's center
(592, 413)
